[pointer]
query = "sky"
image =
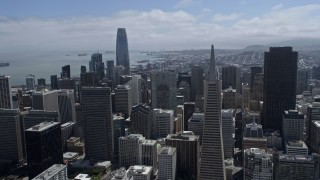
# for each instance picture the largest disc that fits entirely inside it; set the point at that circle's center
(35, 25)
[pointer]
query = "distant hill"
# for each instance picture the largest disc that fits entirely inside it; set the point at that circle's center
(300, 44)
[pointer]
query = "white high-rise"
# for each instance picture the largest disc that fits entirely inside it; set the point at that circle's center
(167, 159)
(162, 123)
(129, 148)
(212, 161)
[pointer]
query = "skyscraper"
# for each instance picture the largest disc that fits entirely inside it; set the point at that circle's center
(167, 159)
(129, 147)
(30, 82)
(47, 101)
(212, 162)
(54, 82)
(123, 100)
(257, 164)
(162, 123)
(5, 93)
(66, 73)
(280, 84)
(66, 105)
(140, 120)
(188, 154)
(122, 52)
(44, 148)
(231, 76)
(254, 70)
(11, 148)
(98, 130)
(163, 89)
(196, 82)
(227, 131)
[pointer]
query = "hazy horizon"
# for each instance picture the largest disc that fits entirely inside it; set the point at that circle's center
(151, 25)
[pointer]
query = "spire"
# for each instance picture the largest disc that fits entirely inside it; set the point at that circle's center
(212, 69)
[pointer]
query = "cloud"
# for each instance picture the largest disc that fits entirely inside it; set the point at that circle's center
(277, 7)
(226, 17)
(157, 29)
(185, 3)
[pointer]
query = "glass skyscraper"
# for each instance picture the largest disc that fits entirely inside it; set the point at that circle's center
(122, 52)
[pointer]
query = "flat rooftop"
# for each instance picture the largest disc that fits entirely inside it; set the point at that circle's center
(42, 126)
(50, 172)
(167, 150)
(140, 169)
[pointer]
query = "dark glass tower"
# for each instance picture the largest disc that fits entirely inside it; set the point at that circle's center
(279, 89)
(65, 71)
(44, 147)
(122, 52)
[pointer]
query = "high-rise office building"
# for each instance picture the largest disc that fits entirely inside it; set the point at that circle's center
(184, 85)
(118, 131)
(56, 171)
(43, 144)
(96, 109)
(122, 50)
(140, 120)
(5, 93)
(65, 73)
(45, 100)
(296, 167)
(54, 82)
(11, 148)
(162, 123)
(254, 71)
(30, 82)
(66, 105)
(257, 87)
(253, 136)
(188, 110)
(195, 124)
(41, 83)
(315, 136)
(227, 131)
(167, 159)
(83, 69)
(129, 149)
(137, 90)
(313, 114)
(123, 100)
(292, 125)
(67, 131)
(148, 153)
(212, 162)
(196, 82)
(316, 72)
(258, 164)
(245, 102)
(110, 70)
(34, 117)
(280, 85)
(231, 76)
(229, 99)
(163, 90)
(303, 76)
(97, 65)
(89, 79)
(188, 153)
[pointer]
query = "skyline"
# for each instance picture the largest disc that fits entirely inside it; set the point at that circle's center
(151, 25)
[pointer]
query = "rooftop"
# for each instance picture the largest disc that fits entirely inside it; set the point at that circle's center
(167, 150)
(50, 172)
(139, 169)
(70, 155)
(298, 144)
(43, 126)
(82, 177)
(317, 123)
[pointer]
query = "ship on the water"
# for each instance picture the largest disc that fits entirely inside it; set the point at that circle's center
(4, 64)
(82, 54)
